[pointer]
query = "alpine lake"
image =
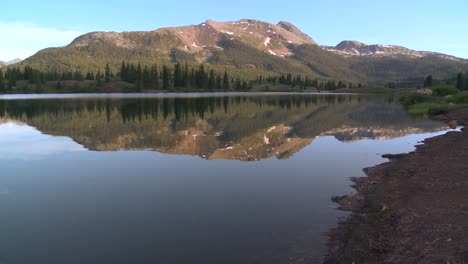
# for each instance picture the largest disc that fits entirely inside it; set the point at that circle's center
(187, 178)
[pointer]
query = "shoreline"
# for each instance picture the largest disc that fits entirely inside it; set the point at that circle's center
(411, 209)
(159, 95)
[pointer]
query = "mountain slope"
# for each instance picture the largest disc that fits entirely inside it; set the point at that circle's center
(250, 47)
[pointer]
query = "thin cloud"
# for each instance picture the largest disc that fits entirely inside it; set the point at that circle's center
(21, 40)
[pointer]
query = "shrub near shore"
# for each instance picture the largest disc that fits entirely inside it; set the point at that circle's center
(443, 98)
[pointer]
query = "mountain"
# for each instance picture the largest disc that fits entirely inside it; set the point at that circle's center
(17, 60)
(356, 48)
(250, 47)
(6, 63)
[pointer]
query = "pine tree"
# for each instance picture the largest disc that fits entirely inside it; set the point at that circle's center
(89, 76)
(186, 76)
(2, 84)
(428, 81)
(225, 81)
(107, 73)
(238, 85)
(123, 72)
(165, 77)
(139, 75)
(307, 82)
(289, 79)
(154, 77)
(99, 78)
(219, 84)
(460, 81)
(212, 80)
(59, 86)
(146, 77)
(78, 76)
(201, 77)
(193, 78)
(245, 86)
(465, 81)
(178, 76)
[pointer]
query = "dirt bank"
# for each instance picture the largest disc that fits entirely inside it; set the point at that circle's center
(412, 209)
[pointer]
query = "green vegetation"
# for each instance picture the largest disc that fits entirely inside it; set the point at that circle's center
(440, 100)
(431, 108)
(138, 77)
(444, 90)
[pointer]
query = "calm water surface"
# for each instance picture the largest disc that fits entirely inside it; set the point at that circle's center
(223, 179)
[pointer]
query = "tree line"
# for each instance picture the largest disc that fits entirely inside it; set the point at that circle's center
(461, 82)
(180, 76)
(305, 82)
(176, 77)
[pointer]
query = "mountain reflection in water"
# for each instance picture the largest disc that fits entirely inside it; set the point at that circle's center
(70, 192)
(235, 127)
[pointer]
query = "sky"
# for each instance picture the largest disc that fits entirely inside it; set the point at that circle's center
(28, 26)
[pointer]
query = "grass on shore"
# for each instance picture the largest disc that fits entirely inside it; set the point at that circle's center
(443, 99)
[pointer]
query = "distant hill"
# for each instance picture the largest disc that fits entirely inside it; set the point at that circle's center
(6, 63)
(253, 47)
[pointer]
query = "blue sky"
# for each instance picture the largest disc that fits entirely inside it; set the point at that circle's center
(29, 25)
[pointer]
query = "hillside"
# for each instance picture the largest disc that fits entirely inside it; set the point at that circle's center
(250, 47)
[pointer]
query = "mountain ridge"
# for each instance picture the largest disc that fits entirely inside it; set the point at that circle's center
(356, 48)
(251, 47)
(193, 38)
(6, 63)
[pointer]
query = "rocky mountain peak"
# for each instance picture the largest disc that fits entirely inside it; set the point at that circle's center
(349, 44)
(6, 63)
(356, 48)
(295, 30)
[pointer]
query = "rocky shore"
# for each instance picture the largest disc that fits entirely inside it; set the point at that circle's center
(412, 209)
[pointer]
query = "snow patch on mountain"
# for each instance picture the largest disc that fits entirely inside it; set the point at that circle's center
(355, 48)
